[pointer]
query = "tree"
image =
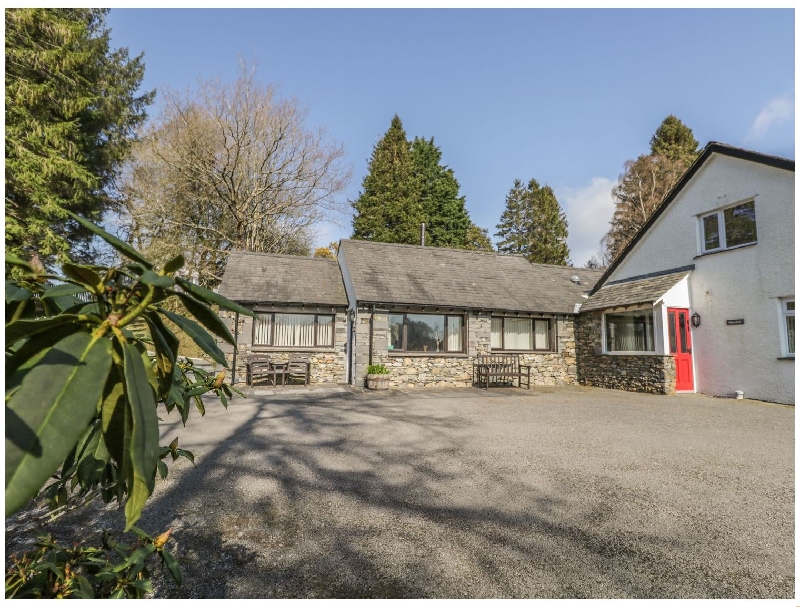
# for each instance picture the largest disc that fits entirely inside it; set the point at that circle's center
(641, 189)
(675, 141)
(71, 111)
(230, 166)
(477, 239)
(533, 225)
(446, 219)
(388, 208)
(647, 180)
(324, 253)
(83, 399)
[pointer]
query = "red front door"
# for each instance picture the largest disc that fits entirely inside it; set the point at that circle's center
(680, 346)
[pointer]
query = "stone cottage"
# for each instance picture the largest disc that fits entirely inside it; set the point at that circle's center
(426, 313)
(300, 306)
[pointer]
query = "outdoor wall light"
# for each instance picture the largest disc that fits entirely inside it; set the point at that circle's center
(695, 320)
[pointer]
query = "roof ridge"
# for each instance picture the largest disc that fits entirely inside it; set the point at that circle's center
(416, 246)
(283, 255)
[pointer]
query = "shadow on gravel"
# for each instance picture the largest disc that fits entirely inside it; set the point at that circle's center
(338, 496)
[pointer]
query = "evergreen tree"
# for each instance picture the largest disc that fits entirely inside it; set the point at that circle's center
(388, 208)
(71, 111)
(675, 141)
(647, 180)
(477, 239)
(533, 225)
(446, 219)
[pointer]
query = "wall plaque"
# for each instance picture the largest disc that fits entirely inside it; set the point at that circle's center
(735, 321)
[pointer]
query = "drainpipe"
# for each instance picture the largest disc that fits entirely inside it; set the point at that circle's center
(422, 234)
(371, 328)
(235, 346)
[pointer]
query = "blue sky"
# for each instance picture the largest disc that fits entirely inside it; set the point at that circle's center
(561, 96)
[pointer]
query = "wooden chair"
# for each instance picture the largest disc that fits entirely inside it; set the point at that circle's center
(298, 366)
(258, 365)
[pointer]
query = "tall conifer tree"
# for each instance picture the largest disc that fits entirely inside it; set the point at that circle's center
(533, 225)
(446, 219)
(388, 208)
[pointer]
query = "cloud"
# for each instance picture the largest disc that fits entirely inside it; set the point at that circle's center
(776, 112)
(588, 210)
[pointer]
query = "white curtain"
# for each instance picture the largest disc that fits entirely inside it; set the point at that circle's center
(541, 339)
(497, 333)
(262, 327)
(630, 331)
(518, 335)
(294, 330)
(324, 330)
(454, 333)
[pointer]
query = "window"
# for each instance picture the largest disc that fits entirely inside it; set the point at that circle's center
(293, 330)
(630, 331)
(520, 333)
(787, 310)
(426, 333)
(729, 228)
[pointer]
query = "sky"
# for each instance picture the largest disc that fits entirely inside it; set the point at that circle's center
(561, 96)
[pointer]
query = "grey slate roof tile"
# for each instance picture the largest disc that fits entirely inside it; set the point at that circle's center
(429, 276)
(645, 290)
(263, 278)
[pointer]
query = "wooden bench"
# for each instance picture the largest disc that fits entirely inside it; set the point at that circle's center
(505, 366)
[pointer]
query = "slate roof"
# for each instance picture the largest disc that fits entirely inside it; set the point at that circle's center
(263, 278)
(646, 290)
(428, 276)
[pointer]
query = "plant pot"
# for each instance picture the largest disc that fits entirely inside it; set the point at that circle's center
(378, 382)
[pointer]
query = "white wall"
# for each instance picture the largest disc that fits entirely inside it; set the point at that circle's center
(740, 283)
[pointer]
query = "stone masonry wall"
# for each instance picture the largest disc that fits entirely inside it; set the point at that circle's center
(327, 364)
(414, 370)
(651, 373)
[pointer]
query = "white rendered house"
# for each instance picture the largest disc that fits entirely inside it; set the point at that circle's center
(702, 299)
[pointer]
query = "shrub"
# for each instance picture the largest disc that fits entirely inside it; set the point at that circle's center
(377, 370)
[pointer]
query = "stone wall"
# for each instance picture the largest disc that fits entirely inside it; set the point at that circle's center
(328, 365)
(419, 370)
(653, 373)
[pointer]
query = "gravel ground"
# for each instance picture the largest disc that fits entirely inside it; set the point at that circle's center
(548, 493)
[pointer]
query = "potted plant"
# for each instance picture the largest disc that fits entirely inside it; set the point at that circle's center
(377, 377)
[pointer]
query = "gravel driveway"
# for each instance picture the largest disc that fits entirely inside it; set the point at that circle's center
(548, 493)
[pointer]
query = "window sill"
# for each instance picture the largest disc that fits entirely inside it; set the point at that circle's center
(786, 358)
(718, 251)
(496, 351)
(634, 354)
(398, 354)
(292, 349)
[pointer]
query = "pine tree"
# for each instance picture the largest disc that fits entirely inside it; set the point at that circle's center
(446, 219)
(533, 225)
(477, 239)
(388, 208)
(71, 112)
(675, 141)
(647, 180)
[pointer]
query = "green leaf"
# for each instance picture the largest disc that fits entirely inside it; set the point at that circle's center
(203, 340)
(149, 277)
(16, 293)
(207, 317)
(16, 261)
(174, 264)
(52, 408)
(144, 448)
(162, 469)
(62, 290)
(166, 347)
(173, 567)
(83, 275)
(21, 329)
(119, 245)
(211, 297)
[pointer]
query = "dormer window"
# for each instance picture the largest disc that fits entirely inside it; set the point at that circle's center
(729, 228)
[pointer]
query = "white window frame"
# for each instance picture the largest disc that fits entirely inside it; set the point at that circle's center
(550, 334)
(631, 352)
(784, 330)
(720, 214)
